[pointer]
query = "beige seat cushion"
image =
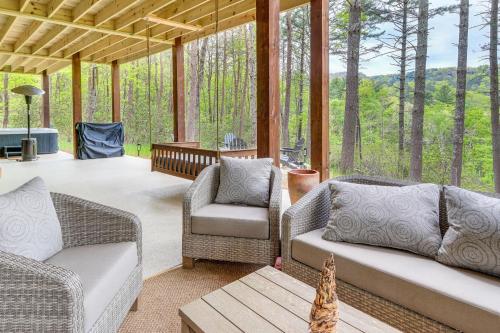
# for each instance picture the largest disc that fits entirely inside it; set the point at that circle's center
(459, 298)
(103, 269)
(231, 221)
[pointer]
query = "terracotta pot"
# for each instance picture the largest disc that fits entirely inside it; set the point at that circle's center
(301, 181)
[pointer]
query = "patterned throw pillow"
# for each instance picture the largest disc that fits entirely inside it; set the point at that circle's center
(29, 225)
(405, 218)
(473, 238)
(244, 182)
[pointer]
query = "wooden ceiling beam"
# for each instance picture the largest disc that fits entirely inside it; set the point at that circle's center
(4, 59)
(53, 6)
(101, 45)
(173, 11)
(32, 64)
(18, 64)
(122, 45)
(54, 67)
(47, 38)
(136, 14)
(197, 15)
(67, 40)
(27, 34)
(23, 4)
(88, 41)
(171, 23)
(114, 9)
(83, 7)
(30, 55)
(129, 51)
(37, 17)
(6, 27)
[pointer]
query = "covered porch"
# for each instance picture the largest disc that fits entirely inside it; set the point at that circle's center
(44, 37)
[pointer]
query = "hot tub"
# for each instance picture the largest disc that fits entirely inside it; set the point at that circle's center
(47, 139)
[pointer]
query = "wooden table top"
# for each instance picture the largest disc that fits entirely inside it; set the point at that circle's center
(267, 301)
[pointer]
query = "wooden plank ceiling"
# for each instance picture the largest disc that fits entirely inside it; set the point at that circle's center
(43, 35)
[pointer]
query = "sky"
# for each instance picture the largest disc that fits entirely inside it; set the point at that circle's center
(443, 40)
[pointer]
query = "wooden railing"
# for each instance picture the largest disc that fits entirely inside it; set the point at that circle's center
(187, 160)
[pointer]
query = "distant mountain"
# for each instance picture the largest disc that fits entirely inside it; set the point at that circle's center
(342, 75)
(476, 76)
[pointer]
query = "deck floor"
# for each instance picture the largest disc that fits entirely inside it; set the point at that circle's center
(125, 183)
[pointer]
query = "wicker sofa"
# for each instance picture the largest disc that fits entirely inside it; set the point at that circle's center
(89, 286)
(229, 232)
(410, 292)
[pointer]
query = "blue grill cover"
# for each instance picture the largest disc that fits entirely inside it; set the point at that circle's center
(99, 140)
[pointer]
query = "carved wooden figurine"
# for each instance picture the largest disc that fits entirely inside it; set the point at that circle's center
(324, 312)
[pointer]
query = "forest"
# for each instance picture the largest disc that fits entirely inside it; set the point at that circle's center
(427, 124)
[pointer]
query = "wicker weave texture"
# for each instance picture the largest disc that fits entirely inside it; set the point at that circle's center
(259, 251)
(39, 297)
(311, 213)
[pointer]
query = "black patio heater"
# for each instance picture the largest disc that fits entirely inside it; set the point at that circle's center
(28, 145)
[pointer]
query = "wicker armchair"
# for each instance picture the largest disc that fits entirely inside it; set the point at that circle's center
(238, 249)
(42, 297)
(311, 213)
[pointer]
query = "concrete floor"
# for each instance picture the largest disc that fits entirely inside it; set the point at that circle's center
(125, 183)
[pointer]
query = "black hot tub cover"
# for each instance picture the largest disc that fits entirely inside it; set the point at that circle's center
(99, 140)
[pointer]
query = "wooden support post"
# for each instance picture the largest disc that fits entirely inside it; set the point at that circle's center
(268, 110)
(46, 99)
(115, 92)
(319, 88)
(77, 97)
(178, 90)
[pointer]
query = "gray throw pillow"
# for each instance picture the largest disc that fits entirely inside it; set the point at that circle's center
(405, 218)
(29, 225)
(473, 238)
(244, 182)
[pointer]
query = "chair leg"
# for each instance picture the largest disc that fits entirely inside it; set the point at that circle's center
(135, 306)
(187, 263)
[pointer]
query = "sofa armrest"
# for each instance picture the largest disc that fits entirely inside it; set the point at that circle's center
(201, 193)
(311, 212)
(275, 202)
(87, 223)
(38, 297)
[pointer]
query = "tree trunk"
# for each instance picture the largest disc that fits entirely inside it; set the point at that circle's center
(285, 116)
(193, 85)
(209, 87)
(352, 87)
(236, 81)
(223, 81)
(402, 83)
(253, 78)
(199, 84)
(5, 100)
(495, 123)
(458, 133)
(300, 106)
(417, 126)
(92, 93)
(159, 99)
(244, 90)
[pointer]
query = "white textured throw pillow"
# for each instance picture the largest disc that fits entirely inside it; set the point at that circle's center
(244, 182)
(473, 239)
(405, 218)
(29, 225)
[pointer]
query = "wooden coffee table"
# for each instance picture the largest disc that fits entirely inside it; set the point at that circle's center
(267, 301)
